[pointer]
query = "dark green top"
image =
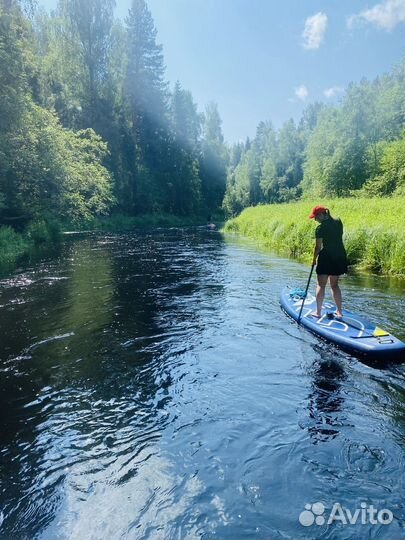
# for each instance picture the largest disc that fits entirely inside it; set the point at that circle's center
(331, 232)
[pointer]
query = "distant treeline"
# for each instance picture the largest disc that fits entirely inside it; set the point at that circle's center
(89, 126)
(88, 123)
(354, 148)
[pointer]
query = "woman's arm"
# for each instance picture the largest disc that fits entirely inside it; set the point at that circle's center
(317, 250)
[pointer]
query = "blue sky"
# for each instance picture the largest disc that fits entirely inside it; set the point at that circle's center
(267, 59)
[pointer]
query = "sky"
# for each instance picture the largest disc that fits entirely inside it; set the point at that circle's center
(267, 59)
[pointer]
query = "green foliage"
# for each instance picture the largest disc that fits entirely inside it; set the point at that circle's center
(44, 168)
(43, 230)
(62, 71)
(121, 222)
(213, 160)
(373, 230)
(91, 26)
(390, 169)
(87, 190)
(346, 150)
(237, 196)
(12, 245)
(269, 170)
(13, 79)
(95, 72)
(37, 231)
(332, 152)
(87, 123)
(56, 171)
(184, 187)
(145, 97)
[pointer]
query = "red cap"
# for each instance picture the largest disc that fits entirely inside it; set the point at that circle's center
(318, 210)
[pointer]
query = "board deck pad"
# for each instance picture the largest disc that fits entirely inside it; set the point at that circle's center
(352, 332)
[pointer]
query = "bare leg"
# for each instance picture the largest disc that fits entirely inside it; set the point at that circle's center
(320, 294)
(336, 293)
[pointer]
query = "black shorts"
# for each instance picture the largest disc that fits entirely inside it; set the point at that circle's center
(329, 266)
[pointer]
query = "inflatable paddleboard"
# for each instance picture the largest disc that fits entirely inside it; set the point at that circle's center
(352, 332)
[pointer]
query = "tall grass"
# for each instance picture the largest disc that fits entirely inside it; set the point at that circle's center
(374, 230)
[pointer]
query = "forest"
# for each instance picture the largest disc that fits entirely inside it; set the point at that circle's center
(90, 127)
(354, 148)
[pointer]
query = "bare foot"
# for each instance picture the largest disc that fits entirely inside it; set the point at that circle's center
(316, 315)
(338, 315)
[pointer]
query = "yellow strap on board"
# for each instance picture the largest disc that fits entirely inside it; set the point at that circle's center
(378, 332)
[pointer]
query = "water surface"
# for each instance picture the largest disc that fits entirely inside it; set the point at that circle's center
(153, 389)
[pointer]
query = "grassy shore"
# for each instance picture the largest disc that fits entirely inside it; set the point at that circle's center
(374, 230)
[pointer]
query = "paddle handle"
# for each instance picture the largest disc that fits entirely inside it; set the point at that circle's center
(306, 293)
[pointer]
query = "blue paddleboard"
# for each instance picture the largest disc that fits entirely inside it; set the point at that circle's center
(353, 333)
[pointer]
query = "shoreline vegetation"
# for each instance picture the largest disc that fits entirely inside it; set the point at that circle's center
(16, 244)
(92, 134)
(374, 234)
(93, 137)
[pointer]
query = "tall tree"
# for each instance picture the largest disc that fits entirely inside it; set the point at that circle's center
(14, 91)
(269, 179)
(214, 159)
(290, 161)
(62, 71)
(146, 100)
(185, 183)
(91, 25)
(235, 154)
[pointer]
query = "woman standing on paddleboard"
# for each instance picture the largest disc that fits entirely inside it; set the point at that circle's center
(329, 257)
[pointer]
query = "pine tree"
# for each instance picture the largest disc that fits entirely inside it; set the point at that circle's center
(146, 100)
(214, 159)
(13, 90)
(185, 182)
(90, 28)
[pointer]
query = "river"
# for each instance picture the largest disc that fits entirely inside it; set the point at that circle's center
(151, 388)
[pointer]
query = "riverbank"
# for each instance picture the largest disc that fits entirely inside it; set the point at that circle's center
(14, 245)
(120, 222)
(374, 230)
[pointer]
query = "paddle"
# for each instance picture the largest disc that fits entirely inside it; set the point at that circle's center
(305, 295)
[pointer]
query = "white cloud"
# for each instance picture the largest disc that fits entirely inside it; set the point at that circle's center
(302, 92)
(314, 31)
(333, 91)
(385, 15)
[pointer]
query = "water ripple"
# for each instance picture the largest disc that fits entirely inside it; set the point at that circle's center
(153, 389)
